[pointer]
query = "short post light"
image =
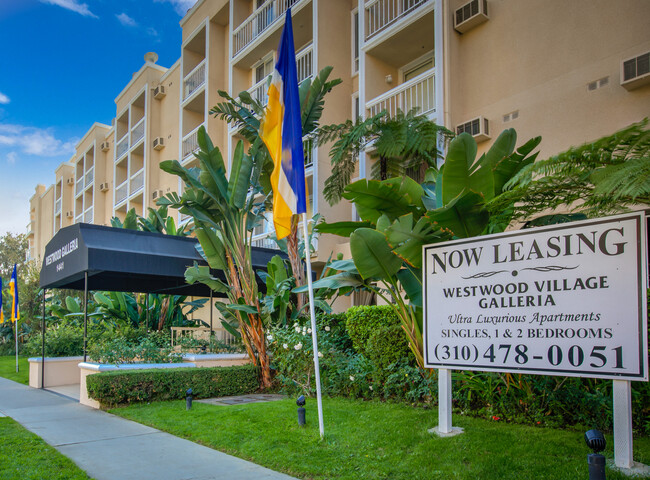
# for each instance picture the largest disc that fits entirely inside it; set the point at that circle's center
(188, 399)
(596, 441)
(301, 410)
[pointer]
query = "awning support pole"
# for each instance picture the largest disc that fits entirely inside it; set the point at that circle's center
(85, 315)
(43, 344)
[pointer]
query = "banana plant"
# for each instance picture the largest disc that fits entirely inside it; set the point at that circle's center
(400, 216)
(225, 213)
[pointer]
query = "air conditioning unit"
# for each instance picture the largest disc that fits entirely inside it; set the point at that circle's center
(470, 15)
(156, 194)
(477, 128)
(158, 143)
(635, 72)
(103, 186)
(104, 146)
(159, 92)
(70, 181)
(69, 214)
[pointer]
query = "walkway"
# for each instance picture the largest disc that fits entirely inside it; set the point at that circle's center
(112, 448)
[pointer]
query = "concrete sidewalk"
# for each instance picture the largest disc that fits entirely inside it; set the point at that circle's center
(112, 448)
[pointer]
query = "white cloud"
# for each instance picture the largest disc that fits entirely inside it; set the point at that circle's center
(125, 20)
(4, 99)
(181, 6)
(11, 158)
(152, 31)
(73, 5)
(34, 141)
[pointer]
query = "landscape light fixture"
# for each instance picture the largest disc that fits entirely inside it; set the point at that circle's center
(301, 410)
(188, 399)
(596, 441)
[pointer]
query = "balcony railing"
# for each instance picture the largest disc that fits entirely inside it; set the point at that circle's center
(304, 63)
(136, 183)
(90, 175)
(57, 207)
(261, 19)
(79, 218)
(122, 147)
(88, 215)
(194, 80)
(190, 143)
(308, 150)
(264, 241)
(79, 186)
(138, 132)
(418, 92)
(121, 192)
(380, 14)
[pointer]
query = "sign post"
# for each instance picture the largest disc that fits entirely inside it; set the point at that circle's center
(565, 300)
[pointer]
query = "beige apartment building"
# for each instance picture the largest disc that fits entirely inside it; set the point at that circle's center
(568, 71)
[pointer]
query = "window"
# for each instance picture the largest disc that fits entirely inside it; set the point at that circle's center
(355, 41)
(416, 69)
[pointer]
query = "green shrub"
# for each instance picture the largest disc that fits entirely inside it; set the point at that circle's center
(60, 341)
(387, 345)
(361, 322)
(119, 350)
(116, 388)
(337, 333)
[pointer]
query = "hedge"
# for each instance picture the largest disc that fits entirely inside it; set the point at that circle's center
(363, 321)
(116, 388)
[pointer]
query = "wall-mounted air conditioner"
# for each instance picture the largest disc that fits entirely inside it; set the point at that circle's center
(103, 186)
(159, 92)
(156, 194)
(470, 15)
(104, 146)
(158, 143)
(479, 128)
(69, 214)
(635, 72)
(70, 181)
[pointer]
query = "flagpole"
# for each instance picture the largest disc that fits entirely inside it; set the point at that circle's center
(16, 335)
(314, 340)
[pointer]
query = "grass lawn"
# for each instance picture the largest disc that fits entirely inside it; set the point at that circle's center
(376, 440)
(8, 369)
(26, 457)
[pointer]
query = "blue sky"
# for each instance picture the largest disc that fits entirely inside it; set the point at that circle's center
(62, 63)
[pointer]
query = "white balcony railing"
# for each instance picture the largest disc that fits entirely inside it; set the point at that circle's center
(79, 218)
(121, 192)
(418, 92)
(308, 151)
(90, 175)
(122, 147)
(380, 14)
(88, 215)
(261, 19)
(304, 63)
(137, 132)
(79, 186)
(57, 207)
(194, 80)
(137, 182)
(190, 143)
(264, 241)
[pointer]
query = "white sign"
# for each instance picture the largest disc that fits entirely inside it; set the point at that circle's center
(560, 300)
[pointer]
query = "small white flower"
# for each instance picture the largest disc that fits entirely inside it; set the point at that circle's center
(309, 331)
(370, 387)
(297, 329)
(352, 378)
(320, 354)
(270, 338)
(298, 346)
(295, 324)
(285, 346)
(327, 328)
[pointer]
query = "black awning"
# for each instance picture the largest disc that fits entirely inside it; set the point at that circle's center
(122, 260)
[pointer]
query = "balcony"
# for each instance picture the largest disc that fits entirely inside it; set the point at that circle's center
(121, 191)
(137, 132)
(122, 147)
(57, 207)
(79, 218)
(418, 92)
(264, 241)
(194, 80)
(381, 14)
(79, 186)
(261, 19)
(88, 215)
(190, 143)
(90, 174)
(137, 182)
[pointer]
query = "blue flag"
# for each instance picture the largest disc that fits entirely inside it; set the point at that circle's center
(13, 289)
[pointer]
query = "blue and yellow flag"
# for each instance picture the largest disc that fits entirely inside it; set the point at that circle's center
(2, 317)
(281, 131)
(13, 289)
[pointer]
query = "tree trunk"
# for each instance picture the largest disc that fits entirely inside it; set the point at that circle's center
(295, 261)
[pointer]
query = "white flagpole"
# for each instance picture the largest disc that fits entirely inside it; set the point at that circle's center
(16, 335)
(312, 312)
